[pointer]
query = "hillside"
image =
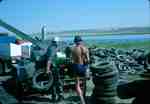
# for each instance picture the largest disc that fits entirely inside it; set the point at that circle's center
(123, 31)
(131, 30)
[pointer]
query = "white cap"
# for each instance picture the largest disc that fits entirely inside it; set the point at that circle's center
(56, 39)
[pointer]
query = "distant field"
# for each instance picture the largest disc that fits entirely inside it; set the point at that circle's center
(109, 33)
(94, 34)
(129, 45)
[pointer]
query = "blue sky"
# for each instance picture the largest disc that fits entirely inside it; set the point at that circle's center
(58, 15)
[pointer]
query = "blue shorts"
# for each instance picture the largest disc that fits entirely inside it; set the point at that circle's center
(79, 69)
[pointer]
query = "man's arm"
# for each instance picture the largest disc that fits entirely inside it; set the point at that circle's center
(49, 62)
(48, 66)
(87, 55)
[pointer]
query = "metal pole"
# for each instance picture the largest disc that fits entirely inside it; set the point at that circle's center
(43, 32)
(149, 7)
(16, 31)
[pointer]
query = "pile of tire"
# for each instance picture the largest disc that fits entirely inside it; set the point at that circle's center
(127, 61)
(105, 79)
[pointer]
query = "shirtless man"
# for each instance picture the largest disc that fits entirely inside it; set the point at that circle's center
(80, 58)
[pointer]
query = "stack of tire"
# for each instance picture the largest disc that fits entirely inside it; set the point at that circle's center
(127, 61)
(105, 79)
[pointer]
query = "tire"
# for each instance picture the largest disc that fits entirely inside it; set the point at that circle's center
(121, 58)
(132, 71)
(1, 68)
(8, 67)
(105, 79)
(38, 82)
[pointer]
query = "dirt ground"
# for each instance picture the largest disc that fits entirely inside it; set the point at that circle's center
(70, 96)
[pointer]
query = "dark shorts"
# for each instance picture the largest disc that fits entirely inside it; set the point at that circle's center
(79, 69)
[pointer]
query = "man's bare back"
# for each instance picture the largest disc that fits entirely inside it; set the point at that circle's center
(79, 52)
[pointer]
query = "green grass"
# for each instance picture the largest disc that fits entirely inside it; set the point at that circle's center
(122, 33)
(128, 45)
(105, 33)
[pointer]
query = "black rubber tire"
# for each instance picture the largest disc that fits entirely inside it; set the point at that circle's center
(105, 78)
(1, 68)
(41, 86)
